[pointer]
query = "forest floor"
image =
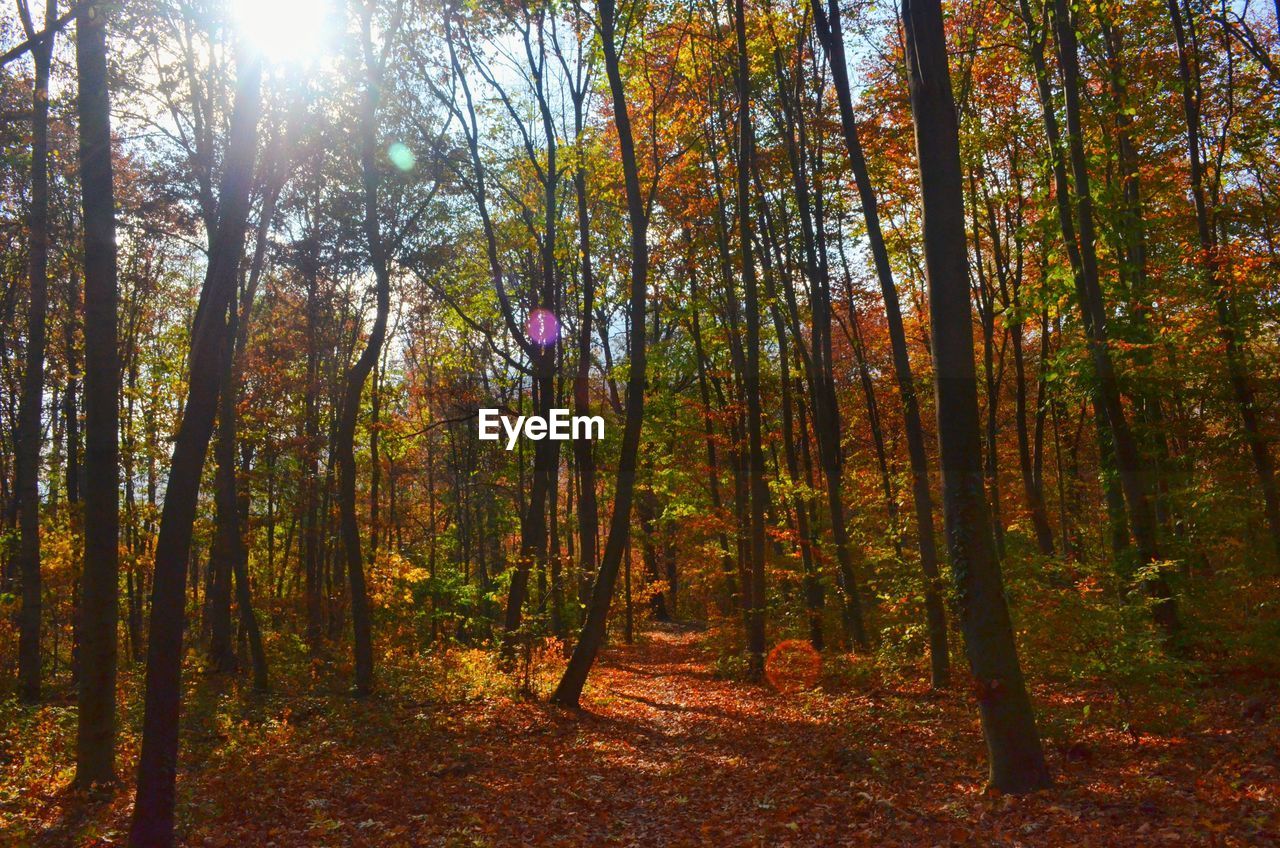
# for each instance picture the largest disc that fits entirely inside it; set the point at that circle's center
(666, 753)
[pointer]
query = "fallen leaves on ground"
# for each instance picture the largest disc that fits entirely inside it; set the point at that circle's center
(666, 753)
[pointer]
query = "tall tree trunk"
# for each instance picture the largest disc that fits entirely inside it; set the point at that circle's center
(375, 461)
(239, 524)
(229, 551)
(1229, 332)
(804, 530)
(831, 35)
(71, 415)
(244, 597)
(311, 461)
(991, 381)
(758, 488)
(153, 811)
(230, 556)
(1031, 489)
(30, 403)
(555, 561)
(729, 598)
(583, 451)
(1013, 745)
(221, 654)
(1133, 482)
(818, 362)
(99, 609)
(359, 373)
(569, 690)
(1084, 266)
(588, 513)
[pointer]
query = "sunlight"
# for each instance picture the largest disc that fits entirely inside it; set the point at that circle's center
(285, 31)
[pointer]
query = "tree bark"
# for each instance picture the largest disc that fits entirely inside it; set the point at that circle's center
(832, 38)
(359, 373)
(757, 486)
(153, 811)
(1229, 332)
(1013, 745)
(569, 690)
(30, 404)
(99, 609)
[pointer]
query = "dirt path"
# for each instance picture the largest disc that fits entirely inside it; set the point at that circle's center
(666, 754)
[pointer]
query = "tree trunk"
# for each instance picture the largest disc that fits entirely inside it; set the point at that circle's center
(1030, 487)
(230, 558)
(30, 404)
(359, 373)
(311, 461)
(758, 488)
(583, 451)
(1016, 760)
(1136, 491)
(153, 811)
(804, 530)
(99, 610)
(569, 690)
(729, 597)
(832, 38)
(71, 415)
(1084, 266)
(221, 654)
(244, 599)
(1229, 333)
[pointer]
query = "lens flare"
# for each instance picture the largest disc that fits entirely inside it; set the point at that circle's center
(401, 156)
(793, 666)
(544, 327)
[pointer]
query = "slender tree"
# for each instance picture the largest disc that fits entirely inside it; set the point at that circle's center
(359, 372)
(153, 809)
(830, 33)
(1211, 263)
(758, 487)
(1079, 236)
(569, 690)
(30, 405)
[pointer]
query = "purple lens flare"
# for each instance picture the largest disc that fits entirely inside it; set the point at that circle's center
(544, 327)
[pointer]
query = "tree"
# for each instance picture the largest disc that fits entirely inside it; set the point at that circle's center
(758, 488)
(569, 690)
(1013, 745)
(152, 823)
(1211, 262)
(99, 607)
(1084, 264)
(30, 405)
(830, 33)
(359, 372)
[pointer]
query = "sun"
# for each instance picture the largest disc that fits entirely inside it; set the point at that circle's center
(293, 32)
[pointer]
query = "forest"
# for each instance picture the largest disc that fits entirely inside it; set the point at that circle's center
(918, 368)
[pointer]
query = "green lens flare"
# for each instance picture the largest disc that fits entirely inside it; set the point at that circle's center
(401, 156)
